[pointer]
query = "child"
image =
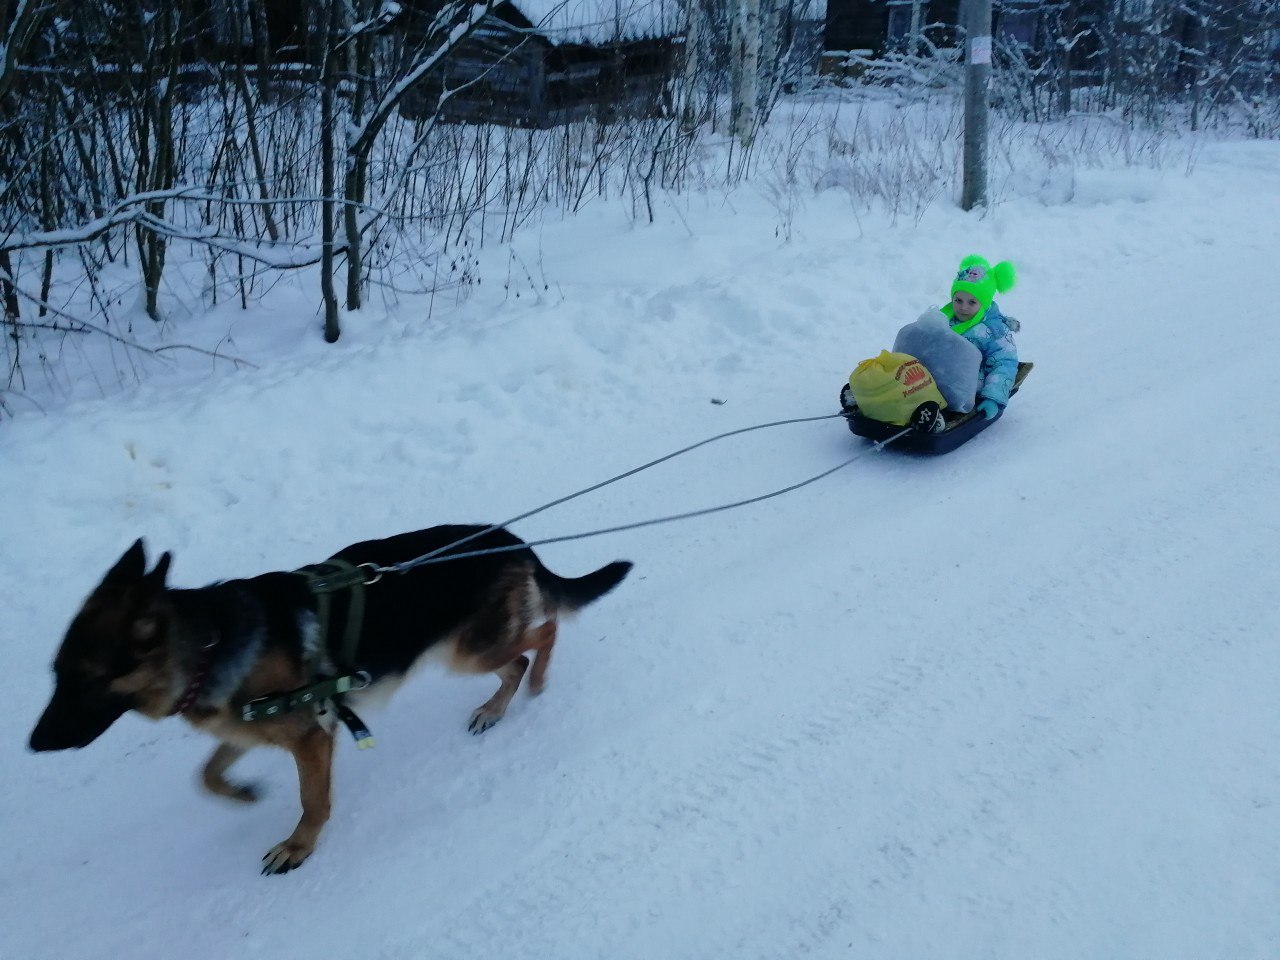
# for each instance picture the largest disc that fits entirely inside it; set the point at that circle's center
(974, 315)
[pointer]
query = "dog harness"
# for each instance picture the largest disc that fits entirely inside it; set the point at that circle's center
(324, 580)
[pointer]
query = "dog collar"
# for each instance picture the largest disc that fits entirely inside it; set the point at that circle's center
(198, 678)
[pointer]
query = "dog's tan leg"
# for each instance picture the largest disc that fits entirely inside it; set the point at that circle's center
(496, 707)
(313, 753)
(543, 641)
(214, 779)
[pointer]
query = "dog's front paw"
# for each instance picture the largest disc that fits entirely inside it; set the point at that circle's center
(284, 857)
(482, 719)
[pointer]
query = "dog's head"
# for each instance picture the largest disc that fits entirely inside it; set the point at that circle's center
(114, 657)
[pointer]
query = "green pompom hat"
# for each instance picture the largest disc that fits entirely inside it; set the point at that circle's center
(982, 281)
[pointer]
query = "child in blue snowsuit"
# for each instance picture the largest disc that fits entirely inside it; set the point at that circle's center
(974, 315)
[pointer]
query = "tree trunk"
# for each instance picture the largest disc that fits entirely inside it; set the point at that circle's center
(746, 68)
(692, 39)
(251, 118)
(262, 48)
(1198, 39)
(8, 293)
(360, 58)
(1066, 20)
(328, 118)
(156, 138)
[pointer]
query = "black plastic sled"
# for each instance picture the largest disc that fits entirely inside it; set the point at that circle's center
(960, 429)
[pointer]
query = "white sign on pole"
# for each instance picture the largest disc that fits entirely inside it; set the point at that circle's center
(979, 50)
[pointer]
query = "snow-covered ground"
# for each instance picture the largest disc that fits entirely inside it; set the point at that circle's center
(1015, 702)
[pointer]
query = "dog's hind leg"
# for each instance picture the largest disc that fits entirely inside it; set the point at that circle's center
(213, 774)
(313, 753)
(495, 708)
(541, 641)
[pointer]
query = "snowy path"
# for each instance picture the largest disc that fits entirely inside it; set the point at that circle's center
(799, 729)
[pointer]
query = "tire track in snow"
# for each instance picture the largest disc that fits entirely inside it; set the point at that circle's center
(711, 800)
(711, 803)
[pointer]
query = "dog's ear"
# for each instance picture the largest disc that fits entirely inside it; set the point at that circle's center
(129, 567)
(155, 579)
(147, 625)
(137, 594)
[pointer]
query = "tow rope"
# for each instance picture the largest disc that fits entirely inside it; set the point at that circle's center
(441, 554)
(332, 576)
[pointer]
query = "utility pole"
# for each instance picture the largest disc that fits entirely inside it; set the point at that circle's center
(977, 76)
(915, 26)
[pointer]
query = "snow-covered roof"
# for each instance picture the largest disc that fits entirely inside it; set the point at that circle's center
(599, 21)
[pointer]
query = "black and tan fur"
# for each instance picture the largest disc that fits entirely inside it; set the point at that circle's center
(137, 644)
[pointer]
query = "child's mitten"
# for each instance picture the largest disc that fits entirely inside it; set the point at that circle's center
(989, 409)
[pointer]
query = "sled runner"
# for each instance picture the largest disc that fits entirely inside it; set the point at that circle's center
(959, 428)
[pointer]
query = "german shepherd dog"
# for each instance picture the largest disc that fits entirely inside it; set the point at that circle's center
(137, 644)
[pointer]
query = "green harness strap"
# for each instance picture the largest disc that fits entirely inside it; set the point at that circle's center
(324, 580)
(283, 703)
(962, 326)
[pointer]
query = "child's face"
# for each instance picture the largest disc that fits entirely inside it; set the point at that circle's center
(964, 305)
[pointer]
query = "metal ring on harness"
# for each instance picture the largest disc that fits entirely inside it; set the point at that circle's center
(374, 569)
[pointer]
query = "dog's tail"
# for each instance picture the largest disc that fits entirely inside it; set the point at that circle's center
(574, 593)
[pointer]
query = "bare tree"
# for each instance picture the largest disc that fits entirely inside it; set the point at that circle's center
(161, 34)
(25, 19)
(149, 140)
(451, 27)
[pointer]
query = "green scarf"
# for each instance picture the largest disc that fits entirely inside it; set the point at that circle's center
(962, 326)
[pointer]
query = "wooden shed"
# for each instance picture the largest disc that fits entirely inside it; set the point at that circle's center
(540, 63)
(877, 26)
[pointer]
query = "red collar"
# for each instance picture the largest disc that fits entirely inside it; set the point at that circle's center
(198, 678)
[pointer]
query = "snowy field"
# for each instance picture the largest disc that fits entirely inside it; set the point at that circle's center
(1015, 702)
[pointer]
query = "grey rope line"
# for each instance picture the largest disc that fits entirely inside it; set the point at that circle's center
(435, 557)
(426, 557)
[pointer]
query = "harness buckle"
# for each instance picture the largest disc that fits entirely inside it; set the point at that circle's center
(356, 681)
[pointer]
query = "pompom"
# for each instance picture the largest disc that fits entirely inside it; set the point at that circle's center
(974, 259)
(1005, 275)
